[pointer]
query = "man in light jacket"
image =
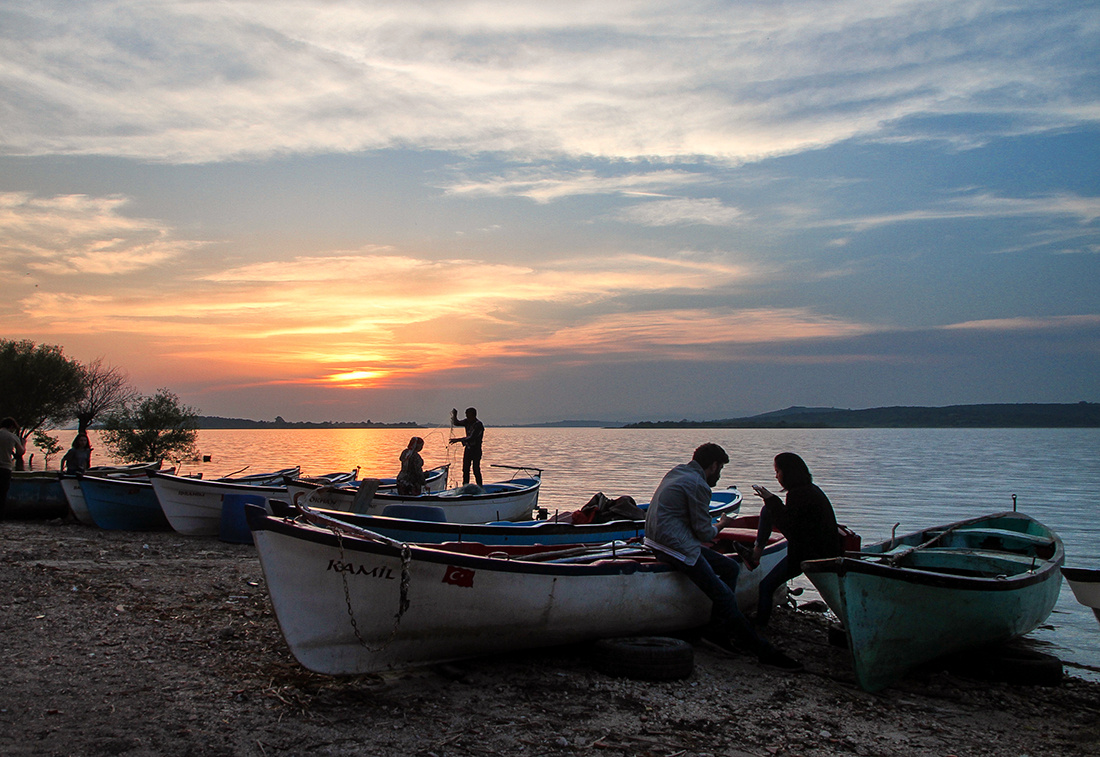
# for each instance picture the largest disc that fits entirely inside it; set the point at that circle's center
(678, 528)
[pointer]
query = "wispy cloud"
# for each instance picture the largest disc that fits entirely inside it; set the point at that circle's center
(194, 82)
(682, 211)
(74, 235)
(544, 185)
(1082, 210)
(1030, 323)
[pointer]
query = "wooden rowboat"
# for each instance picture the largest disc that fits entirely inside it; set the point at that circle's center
(965, 585)
(74, 495)
(1085, 584)
(193, 506)
(420, 525)
(512, 500)
(123, 504)
(350, 602)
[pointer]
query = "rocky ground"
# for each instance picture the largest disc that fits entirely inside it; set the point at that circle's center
(156, 644)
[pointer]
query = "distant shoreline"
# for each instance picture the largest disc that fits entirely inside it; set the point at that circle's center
(1022, 415)
(1079, 415)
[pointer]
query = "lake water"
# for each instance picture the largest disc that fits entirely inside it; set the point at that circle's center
(876, 478)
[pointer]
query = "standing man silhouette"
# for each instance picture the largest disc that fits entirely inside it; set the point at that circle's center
(471, 454)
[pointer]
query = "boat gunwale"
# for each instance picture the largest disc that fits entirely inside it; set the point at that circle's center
(1081, 575)
(1044, 567)
(211, 484)
(260, 520)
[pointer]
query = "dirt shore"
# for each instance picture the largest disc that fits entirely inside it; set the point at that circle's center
(156, 644)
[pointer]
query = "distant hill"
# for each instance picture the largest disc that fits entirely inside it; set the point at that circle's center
(1079, 415)
(210, 421)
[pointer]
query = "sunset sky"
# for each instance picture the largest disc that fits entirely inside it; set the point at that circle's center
(633, 210)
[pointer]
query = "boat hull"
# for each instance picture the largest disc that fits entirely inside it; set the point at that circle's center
(338, 599)
(193, 506)
(938, 600)
(503, 501)
(35, 494)
(123, 505)
(1085, 584)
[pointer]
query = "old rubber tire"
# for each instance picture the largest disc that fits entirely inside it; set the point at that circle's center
(645, 658)
(1009, 664)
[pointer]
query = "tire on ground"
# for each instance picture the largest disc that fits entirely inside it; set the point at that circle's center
(646, 658)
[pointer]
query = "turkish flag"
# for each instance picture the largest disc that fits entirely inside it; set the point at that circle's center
(458, 576)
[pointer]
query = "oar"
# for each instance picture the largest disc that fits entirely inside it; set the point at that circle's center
(895, 559)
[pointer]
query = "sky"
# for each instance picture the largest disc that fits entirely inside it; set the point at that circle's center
(618, 211)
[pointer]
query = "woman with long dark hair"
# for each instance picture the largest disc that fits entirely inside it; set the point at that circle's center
(806, 519)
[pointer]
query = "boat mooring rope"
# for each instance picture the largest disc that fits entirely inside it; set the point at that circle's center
(402, 604)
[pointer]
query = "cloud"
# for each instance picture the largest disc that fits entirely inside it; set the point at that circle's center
(197, 82)
(71, 235)
(544, 185)
(682, 211)
(1083, 210)
(1030, 323)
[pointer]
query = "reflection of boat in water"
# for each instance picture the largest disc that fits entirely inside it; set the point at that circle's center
(909, 600)
(349, 601)
(1085, 584)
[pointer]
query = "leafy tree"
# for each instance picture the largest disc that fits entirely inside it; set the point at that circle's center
(106, 389)
(49, 445)
(38, 385)
(152, 428)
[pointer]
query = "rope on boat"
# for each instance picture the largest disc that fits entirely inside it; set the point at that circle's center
(339, 529)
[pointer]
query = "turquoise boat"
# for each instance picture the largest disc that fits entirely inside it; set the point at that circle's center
(909, 600)
(123, 504)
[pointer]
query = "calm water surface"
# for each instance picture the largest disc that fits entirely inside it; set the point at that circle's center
(876, 478)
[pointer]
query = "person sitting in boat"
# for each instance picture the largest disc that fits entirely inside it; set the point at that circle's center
(806, 519)
(471, 454)
(79, 457)
(678, 528)
(411, 479)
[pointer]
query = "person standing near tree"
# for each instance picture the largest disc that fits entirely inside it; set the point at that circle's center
(471, 454)
(11, 447)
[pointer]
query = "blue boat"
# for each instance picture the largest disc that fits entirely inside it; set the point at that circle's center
(424, 524)
(123, 504)
(35, 494)
(912, 599)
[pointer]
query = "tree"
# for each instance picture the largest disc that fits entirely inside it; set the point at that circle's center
(106, 389)
(38, 385)
(49, 445)
(152, 428)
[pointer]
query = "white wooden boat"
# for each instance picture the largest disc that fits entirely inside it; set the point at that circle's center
(513, 500)
(912, 599)
(1085, 584)
(436, 481)
(193, 506)
(349, 601)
